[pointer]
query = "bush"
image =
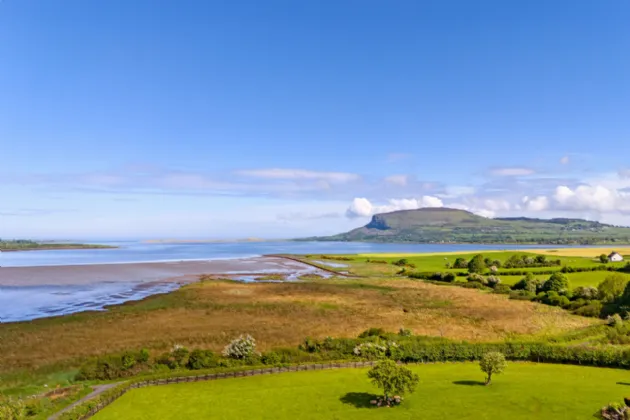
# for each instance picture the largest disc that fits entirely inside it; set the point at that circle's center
(372, 332)
(474, 285)
(614, 320)
(492, 281)
(12, 409)
(475, 277)
(503, 289)
(404, 332)
(522, 295)
(370, 351)
(240, 348)
(460, 263)
(586, 293)
(593, 309)
(528, 283)
(201, 359)
(271, 358)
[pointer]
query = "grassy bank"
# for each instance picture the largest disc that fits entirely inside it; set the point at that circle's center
(525, 391)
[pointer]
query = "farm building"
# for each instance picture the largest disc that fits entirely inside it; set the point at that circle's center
(615, 257)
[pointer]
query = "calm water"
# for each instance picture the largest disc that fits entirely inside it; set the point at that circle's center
(26, 303)
(130, 252)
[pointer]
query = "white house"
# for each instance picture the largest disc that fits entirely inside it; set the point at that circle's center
(615, 257)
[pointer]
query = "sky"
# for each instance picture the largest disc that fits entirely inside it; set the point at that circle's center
(279, 119)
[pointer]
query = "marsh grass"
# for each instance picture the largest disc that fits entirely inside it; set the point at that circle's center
(209, 314)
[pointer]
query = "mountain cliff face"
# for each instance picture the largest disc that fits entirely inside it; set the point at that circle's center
(445, 225)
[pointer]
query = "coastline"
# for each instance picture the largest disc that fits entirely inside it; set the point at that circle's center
(60, 248)
(89, 274)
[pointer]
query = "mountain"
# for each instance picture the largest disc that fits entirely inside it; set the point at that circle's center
(445, 225)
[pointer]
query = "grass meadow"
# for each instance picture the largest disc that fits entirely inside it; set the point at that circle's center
(525, 391)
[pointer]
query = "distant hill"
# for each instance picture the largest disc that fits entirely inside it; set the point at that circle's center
(445, 225)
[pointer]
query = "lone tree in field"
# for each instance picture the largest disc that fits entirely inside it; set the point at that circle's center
(492, 363)
(603, 259)
(477, 264)
(393, 379)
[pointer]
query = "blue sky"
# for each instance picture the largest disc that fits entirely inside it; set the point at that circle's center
(223, 119)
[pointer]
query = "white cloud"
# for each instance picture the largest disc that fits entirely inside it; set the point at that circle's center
(516, 171)
(362, 207)
(564, 160)
(587, 197)
(397, 180)
(539, 203)
(298, 174)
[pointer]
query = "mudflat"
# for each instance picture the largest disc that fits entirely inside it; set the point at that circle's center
(142, 272)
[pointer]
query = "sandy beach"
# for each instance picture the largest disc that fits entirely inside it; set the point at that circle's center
(184, 271)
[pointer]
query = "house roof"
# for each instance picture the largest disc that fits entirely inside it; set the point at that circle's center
(612, 254)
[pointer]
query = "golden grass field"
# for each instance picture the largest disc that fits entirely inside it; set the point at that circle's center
(211, 313)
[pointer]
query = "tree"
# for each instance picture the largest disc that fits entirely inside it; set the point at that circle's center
(492, 363)
(477, 264)
(612, 287)
(541, 259)
(558, 282)
(460, 263)
(393, 379)
(603, 259)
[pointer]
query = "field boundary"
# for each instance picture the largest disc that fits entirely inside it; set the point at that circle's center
(209, 377)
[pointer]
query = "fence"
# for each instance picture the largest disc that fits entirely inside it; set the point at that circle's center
(223, 375)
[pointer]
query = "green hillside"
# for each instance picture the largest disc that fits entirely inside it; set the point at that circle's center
(444, 225)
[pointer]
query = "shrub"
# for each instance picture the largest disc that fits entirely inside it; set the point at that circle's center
(271, 358)
(12, 409)
(401, 262)
(492, 363)
(522, 295)
(404, 332)
(593, 309)
(370, 351)
(240, 348)
(372, 332)
(614, 320)
(603, 259)
(528, 283)
(492, 281)
(474, 285)
(586, 293)
(460, 263)
(503, 289)
(201, 359)
(475, 277)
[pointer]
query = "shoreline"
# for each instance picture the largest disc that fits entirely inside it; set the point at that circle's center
(60, 248)
(91, 274)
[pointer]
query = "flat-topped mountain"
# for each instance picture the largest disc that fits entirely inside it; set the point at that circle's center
(446, 225)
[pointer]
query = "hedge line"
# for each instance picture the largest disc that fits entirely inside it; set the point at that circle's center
(413, 350)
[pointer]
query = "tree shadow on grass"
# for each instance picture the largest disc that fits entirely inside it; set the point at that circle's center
(623, 383)
(469, 383)
(359, 399)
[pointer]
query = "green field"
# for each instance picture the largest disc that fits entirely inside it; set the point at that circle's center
(437, 263)
(525, 391)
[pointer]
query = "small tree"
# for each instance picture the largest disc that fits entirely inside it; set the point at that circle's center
(558, 282)
(612, 287)
(492, 363)
(603, 259)
(477, 264)
(393, 379)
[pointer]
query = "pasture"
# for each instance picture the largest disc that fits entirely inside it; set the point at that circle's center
(525, 391)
